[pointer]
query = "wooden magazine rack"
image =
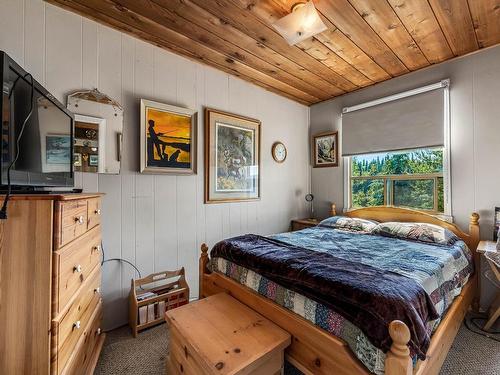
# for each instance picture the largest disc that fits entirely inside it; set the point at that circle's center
(170, 291)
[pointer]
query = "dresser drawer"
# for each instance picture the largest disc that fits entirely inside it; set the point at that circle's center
(73, 265)
(93, 212)
(81, 356)
(70, 221)
(68, 326)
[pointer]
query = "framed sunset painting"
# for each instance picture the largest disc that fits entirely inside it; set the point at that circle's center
(168, 138)
(232, 157)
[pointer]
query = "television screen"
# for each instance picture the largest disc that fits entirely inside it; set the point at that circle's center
(45, 146)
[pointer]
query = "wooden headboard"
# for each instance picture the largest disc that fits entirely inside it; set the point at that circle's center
(387, 213)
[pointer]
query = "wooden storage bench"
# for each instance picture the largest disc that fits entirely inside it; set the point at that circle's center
(220, 335)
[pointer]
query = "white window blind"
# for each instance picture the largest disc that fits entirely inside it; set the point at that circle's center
(414, 120)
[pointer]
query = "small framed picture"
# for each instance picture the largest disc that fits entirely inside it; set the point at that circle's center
(77, 159)
(94, 160)
(497, 223)
(325, 150)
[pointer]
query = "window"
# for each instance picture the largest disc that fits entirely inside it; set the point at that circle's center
(417, 121)
(412, 179)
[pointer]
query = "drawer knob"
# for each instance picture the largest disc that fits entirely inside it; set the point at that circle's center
(97, 212)
(77, 268)
(97, 290)
(79, 219)
(77, 324)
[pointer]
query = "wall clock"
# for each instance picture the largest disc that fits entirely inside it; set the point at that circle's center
(279, 152)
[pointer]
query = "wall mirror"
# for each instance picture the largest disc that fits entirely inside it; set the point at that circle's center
(89, 145)
(98, 132)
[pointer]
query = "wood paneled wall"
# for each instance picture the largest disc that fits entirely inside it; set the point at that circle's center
(158, 222)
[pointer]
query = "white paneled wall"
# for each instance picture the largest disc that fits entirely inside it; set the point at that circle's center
(475, 137)
(475, 133)
(158, 222)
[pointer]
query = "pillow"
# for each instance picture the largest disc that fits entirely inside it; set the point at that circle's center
(349, 224)
(422, 232)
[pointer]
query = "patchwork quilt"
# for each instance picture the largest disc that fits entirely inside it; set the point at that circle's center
(434, 275)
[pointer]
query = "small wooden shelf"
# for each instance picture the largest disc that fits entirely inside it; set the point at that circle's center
(299, 224)
(170, 291)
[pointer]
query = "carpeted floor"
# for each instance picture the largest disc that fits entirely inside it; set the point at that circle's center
(471, 354)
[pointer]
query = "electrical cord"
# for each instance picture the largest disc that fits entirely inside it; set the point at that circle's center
(118, 260)
(3, 210)
(473, 326)
(103, 260)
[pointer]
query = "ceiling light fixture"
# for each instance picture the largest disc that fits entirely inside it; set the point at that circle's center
(304, 22)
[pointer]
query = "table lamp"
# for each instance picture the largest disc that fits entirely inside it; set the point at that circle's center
(310, 198)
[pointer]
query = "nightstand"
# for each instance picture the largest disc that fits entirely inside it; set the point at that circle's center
(299, 224)
(492, 255)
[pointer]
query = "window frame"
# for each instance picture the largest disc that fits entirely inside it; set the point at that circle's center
(447, 212)
(388, 186)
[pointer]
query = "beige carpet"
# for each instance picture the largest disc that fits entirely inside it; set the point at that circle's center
(471, 354)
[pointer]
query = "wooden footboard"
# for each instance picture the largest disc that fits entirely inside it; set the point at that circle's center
(315, 351)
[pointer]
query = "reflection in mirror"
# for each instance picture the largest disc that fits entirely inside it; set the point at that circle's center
(55, 139)
(90, 138)
(98, 130)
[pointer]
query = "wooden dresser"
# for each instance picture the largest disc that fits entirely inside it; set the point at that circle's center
(50, 276)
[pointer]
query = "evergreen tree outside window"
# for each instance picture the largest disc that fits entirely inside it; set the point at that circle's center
(412, 179)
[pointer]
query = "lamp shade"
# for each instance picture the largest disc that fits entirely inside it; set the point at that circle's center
(304, 22)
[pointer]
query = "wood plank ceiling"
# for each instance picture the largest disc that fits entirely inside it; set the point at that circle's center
(367, 41)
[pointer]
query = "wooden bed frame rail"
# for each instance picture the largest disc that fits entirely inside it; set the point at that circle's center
(315, 351)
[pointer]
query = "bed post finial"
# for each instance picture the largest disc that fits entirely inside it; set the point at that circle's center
(204, 250)
(203, 267)
(474, 231)
(473, 242)
(333, 210)
(474, 218)
(398, 360)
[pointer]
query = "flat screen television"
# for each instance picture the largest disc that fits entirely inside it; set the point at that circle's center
(44, 148)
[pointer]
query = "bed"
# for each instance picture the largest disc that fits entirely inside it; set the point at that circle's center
(315, 348)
